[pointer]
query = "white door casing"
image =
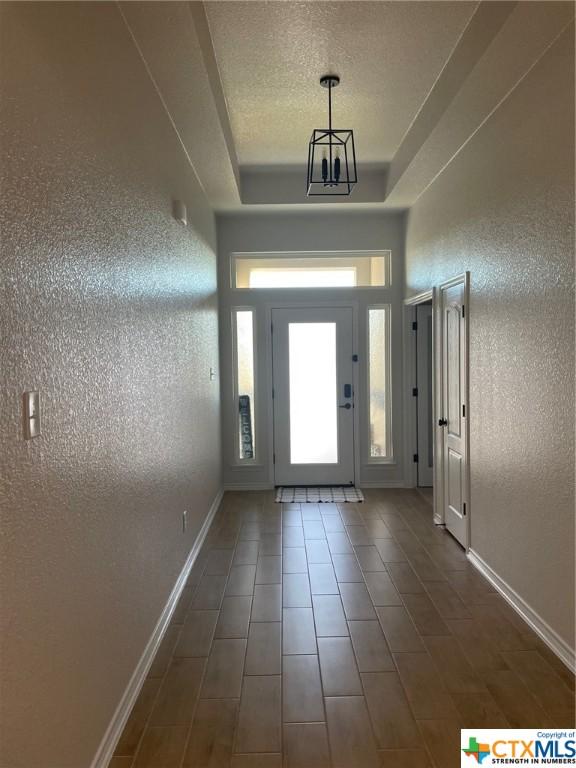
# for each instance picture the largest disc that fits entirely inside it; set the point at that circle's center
(319, 384)
(424, 371)
(453, 415)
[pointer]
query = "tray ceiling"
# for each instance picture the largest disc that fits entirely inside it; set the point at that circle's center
(271, 55)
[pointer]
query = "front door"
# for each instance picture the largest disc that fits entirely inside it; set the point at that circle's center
(313, 396)
(453, 418)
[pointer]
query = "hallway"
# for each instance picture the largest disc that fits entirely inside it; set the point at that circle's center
(220, 276)
(344, 635)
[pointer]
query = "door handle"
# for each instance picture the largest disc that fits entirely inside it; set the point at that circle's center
(442, 422)
(346, 405)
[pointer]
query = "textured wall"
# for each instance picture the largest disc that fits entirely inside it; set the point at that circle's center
(109, 308)
(503, 209)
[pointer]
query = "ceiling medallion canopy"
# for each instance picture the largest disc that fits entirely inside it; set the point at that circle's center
(331, 154)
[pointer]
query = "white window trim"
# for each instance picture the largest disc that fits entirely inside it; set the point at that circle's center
(238, 460)
(385, 253)
(389, 457)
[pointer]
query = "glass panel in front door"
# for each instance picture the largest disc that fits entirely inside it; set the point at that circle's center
(313, 391)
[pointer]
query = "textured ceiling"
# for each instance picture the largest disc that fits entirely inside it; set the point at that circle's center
(272, 54)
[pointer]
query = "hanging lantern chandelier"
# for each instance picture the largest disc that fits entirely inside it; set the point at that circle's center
(331, 154)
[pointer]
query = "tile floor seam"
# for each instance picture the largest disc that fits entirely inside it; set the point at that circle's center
(156, 698)
(413, 521)
(355, 555)
(163, 678)
(191, 724)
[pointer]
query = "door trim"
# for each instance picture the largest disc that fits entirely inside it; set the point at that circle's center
(409, 401)
(424, 402)
(310, 304)
(462, 279)
(341, 469)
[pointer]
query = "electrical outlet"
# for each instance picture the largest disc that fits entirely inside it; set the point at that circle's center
(212, 374)
(184, 521)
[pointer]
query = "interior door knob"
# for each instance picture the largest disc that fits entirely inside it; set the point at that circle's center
(346, 405)
(442, 422)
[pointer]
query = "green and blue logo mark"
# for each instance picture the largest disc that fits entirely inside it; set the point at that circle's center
(474, 749)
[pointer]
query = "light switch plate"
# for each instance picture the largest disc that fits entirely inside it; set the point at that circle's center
(31, 403)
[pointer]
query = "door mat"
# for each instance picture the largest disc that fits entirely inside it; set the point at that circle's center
(332, 494)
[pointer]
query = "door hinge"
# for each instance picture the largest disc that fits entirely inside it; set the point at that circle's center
(273, 458)
(414, 326)
(463, 310)
(272, 393)
(464, 509)
(414, 391)
(464, 411)
(271, 327)
(415, 458)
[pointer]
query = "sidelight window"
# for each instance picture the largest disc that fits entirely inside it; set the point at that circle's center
(379, 391)
(244, 389)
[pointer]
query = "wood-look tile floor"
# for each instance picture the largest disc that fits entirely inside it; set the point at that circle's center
(343, 636)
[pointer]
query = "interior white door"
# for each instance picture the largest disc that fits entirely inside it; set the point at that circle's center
(424, 383)
(453, 418)
(313, 396)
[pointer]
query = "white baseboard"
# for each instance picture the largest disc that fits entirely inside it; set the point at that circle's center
(556, 644)
(381, 484)
(116, 726)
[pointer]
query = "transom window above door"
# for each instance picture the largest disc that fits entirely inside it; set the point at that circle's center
(357, 269)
